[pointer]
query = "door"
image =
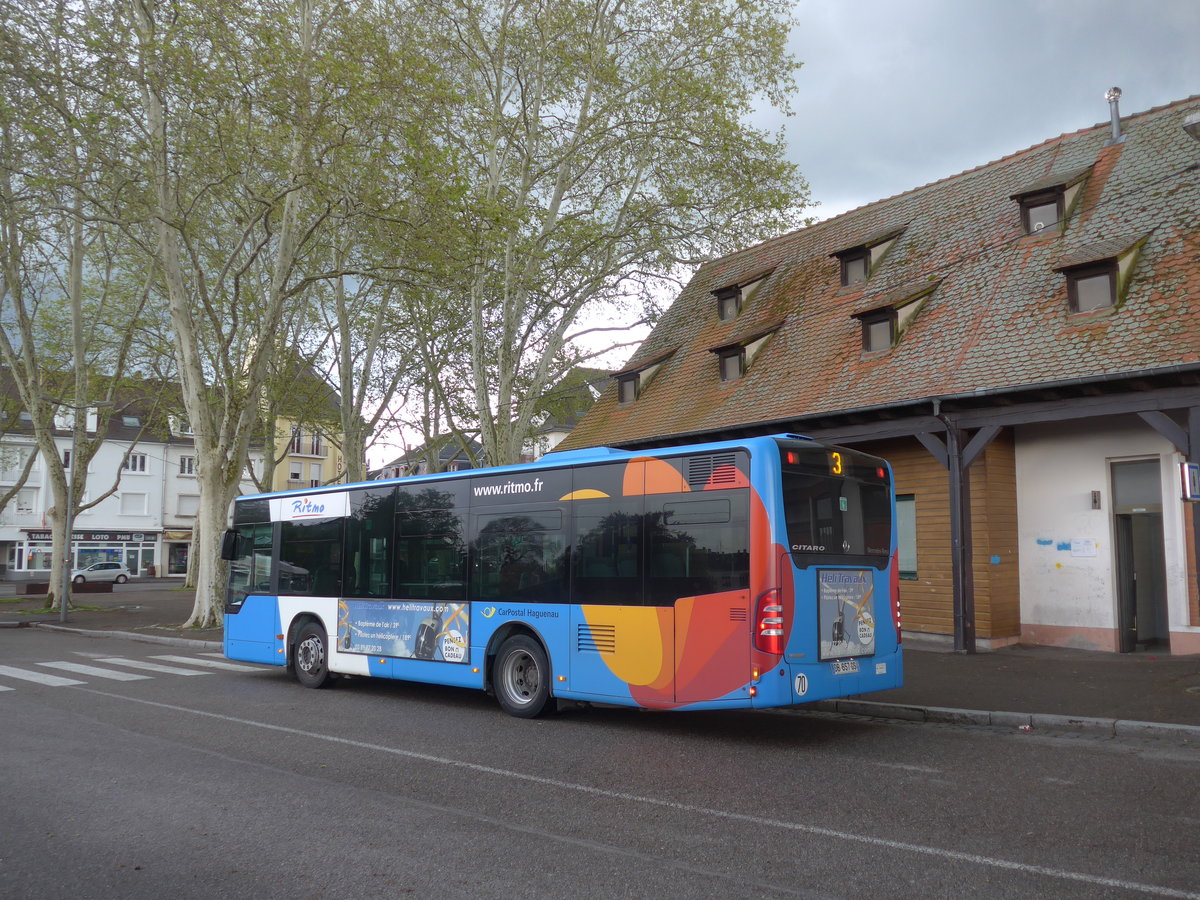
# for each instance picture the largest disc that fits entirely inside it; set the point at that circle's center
(1141, 568)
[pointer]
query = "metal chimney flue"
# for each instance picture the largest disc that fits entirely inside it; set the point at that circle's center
(1113, 96)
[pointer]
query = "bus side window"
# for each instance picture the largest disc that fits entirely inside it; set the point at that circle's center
(310, 557)
(521, 557)
(430, 555)
(696, 546)
(368, 551)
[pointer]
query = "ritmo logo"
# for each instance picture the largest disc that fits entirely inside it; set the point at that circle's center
(306, 507)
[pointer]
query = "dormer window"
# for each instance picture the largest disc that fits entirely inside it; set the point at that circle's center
(729, 304)
(733, 299)
(627, 387)
(855, 266)
(879, 330)
(632, 383)
(884, 321)
(1098, 275)
(859, 262)
(1046, 204)
(1042, 212)
(1092, 287)
(733, 363)
(734, 359)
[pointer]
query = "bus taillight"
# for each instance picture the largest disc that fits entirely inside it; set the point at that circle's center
(894, 580)
(769, 631)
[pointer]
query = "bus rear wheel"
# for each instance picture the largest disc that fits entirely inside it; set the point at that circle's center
(521, 678)
(310, 656)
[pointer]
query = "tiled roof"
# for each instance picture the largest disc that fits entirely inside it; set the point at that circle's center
(999, 317)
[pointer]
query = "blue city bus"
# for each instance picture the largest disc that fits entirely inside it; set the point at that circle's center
(752, 573)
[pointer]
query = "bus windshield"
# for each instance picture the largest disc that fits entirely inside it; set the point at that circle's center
(836, 506)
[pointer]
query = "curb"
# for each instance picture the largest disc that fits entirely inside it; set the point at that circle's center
(1022, 721)
(135, 636)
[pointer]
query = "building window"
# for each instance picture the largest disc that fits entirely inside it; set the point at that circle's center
(1092, 287)
(1047, 203)
(25, 501)
(189, 505)
(858, 262)
(729, 304)
(187, 465)
(315, 447)
(294, 472)
(131, 421)
(135, 462)
(854, 267)
(733, 299)
(66, 459)
(133, 504)
(879, 331)
(906, 534)
(627, 387)
(1041, 212)
(297, 441)
(733, 364)
(314, 475)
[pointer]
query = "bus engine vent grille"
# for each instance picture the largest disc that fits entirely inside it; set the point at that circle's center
(597, 639)
(738, 614)
(717, 468)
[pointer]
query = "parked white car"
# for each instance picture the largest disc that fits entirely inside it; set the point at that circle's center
(101, 571)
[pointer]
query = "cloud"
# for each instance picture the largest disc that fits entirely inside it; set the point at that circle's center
(895, 95)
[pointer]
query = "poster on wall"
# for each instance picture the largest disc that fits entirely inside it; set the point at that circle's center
(846, 612)
(409, 629)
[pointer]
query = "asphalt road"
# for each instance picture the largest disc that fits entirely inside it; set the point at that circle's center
(202, 782)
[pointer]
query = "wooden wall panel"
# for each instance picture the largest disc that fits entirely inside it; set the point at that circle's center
(928, 601)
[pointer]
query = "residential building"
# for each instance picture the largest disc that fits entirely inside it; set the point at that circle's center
(445, 454)
(1021, 341)
(307, 426)
(146, 523)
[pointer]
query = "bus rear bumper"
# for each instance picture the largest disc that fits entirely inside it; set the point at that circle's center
(792, 685)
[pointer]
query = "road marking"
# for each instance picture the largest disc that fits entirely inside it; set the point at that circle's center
(692, 809)
(39, 677)
(80, 669)
(3, 688)
(210, 664)
(148, 666)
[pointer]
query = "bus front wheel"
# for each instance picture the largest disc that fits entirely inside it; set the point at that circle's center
(311, 657)
(522, 678)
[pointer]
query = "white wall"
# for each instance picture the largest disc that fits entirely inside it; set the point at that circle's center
(1058, 467)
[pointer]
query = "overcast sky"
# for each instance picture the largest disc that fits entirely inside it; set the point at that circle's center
(898, 93)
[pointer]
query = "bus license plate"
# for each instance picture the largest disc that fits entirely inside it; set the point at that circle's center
(845, 666)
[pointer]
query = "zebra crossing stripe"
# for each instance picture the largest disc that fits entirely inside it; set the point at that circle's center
(39, 677)
(210, 664)
(148, 666)
(80, 669)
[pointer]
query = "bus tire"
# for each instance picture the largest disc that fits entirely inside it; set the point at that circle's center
(521, 678)
(311, 656)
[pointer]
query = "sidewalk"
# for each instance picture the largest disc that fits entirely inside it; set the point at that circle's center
(1031, 686)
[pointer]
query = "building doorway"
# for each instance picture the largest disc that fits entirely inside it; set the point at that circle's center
(1141, 565)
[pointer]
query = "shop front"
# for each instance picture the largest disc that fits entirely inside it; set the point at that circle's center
(176, 545)
(136, 549)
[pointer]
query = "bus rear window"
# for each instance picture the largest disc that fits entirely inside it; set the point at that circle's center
(827, 515)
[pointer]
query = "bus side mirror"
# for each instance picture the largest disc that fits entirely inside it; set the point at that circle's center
(229, 545)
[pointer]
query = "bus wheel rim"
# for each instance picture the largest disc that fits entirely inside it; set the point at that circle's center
(310, 654)
(521, 676)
